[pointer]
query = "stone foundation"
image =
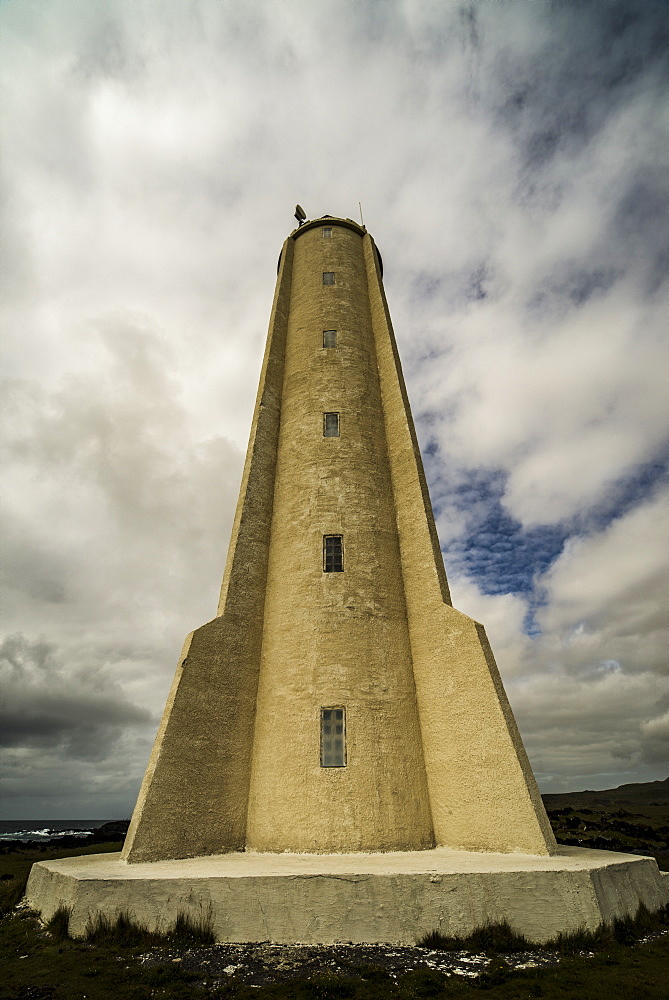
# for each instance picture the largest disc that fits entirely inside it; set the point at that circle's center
(390, 898)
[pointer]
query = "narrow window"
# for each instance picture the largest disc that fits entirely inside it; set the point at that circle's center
(327, 232)
(329, 338)
(333, 737)
(331, 425)
(333, 554)
(328, 277)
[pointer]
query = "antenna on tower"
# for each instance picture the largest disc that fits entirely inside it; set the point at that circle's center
(361, 219)
(300, 214)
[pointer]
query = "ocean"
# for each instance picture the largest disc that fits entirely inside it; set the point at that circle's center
(45, 829)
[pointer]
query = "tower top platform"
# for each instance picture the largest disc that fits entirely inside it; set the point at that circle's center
(329, 220)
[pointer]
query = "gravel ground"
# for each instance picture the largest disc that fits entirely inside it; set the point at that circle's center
(262, 964)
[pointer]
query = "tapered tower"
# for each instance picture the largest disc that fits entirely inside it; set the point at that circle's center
(338, 702)
(337, 759)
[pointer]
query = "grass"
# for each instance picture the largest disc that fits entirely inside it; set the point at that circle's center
(59, 924)
(124, 932)
(12, 892)
(39, 967)
(486, 938)
(493, 938)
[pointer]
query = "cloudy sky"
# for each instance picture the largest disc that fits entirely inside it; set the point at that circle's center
(510, 161)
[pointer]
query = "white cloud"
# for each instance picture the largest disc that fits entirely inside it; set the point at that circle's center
(590, 690)
(116, 515)
(613, 582)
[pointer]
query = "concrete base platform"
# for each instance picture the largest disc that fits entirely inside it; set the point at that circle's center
(373, 898)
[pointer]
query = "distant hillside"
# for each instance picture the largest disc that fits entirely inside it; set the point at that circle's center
(653, 794)
(633, 819)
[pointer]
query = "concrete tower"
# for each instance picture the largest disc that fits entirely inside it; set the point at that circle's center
(338, 702)
(337, 760)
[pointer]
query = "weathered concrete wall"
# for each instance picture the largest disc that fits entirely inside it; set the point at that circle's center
(335, 638)
(193, 799)
(393, 898)
(483, 795)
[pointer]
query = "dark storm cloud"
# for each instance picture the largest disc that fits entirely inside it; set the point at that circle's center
(45, 706)
(578, 740)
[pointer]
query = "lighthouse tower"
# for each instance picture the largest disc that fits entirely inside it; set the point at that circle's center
(338, 702)
(337, 760)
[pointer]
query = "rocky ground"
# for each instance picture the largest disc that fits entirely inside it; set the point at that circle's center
(262, 964)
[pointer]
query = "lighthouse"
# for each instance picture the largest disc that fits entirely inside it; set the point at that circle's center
(337, 702)
(337, 760)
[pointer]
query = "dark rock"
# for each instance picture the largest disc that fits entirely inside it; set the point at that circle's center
(116, 826)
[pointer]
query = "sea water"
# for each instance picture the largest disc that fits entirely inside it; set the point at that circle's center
(45, 829)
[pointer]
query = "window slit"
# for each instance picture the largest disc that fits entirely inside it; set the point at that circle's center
(333, 737)
(331, 425)
(333, 553)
